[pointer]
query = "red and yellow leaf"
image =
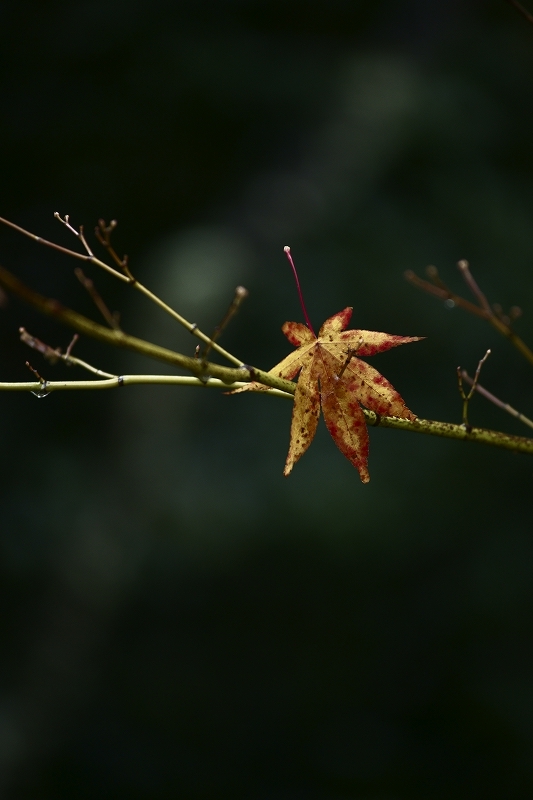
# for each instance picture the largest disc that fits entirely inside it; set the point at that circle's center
(333, 377)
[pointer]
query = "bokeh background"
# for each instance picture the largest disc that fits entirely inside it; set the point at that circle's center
(177, 619)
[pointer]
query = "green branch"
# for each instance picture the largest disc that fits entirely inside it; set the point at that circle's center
(44, 388)
(202, 370)
(519, 444)
(212, 375)
(447, 430)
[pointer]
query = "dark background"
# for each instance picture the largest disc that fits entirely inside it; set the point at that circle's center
(177, 619)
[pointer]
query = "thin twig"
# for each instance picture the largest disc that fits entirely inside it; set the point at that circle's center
(439, 289)
(240, 294)
(55, 355)
(190, 326)
(31, 369)
(443, 293)
(103, 234)
(45, 350)
(433, 274)
(119, 339)
(66, 250)
(467, 397)
(42, 389)
(464, 268)
(79, 234)
(497, 402)
(88, 284)
(71, 345)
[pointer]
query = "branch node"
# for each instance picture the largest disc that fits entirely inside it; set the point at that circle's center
(251, 371)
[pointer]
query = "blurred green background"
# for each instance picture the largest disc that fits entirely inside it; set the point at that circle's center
(177, 619)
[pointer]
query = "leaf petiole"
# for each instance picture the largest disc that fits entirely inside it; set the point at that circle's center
(287, 250)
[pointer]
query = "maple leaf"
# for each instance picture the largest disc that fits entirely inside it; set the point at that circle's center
(334, 378)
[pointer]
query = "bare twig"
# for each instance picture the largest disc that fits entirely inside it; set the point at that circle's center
(79, 234)
(502, 324)
(467, 397)
(55, 355)
(497, 402)
(48, 352)
(240, 294)
(42, 389)
(441, 291)
(71, 345)
(31, 369)
(433, 274)
(119, 339)
(103, 234)
(66, 250)
(88, 284)
(190, 326)
(464, 268)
